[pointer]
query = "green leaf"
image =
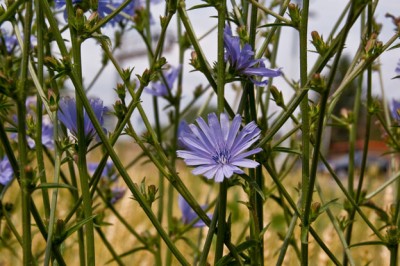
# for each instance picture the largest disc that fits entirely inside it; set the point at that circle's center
(326, 205)
(129, 253)
(200, 6)
(77, 226)
(263, 231)
(253, 184)
(368, 243)
(54, 185)
(286, 150)
(276, 24)
(227, 260)
(394, 47)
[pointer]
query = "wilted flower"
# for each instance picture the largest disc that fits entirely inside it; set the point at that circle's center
(159, 88)
(188, 214)
(241, 60)
(6, 172)
(67, 115)
(396, 110)
(219, 148)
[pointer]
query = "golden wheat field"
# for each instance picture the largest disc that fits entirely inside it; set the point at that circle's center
(117, 235)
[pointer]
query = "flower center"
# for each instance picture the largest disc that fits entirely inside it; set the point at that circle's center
(222, 157)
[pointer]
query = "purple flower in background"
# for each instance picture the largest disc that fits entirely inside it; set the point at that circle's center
(116, 194)
(159, 88)
(188, 214)
(219, 148)
(9, 41)
(397, 69)
(108, 178)
(6, 172)
(67, 115)
(47, 126)
(241, 60)
(47, 134)
(62, 3)
(183, 128)
(106, 7)
(108, 171)
(396, 110)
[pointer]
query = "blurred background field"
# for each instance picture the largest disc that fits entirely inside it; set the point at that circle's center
(122, 241)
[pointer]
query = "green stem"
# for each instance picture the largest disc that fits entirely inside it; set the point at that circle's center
(82, 140)
(11, 10)
(221, 221)
(205, 66)
(337, 227)
(52, 217)
(305, 119)
(39, 108)
(109, 246)
(22, 144)
(221, 6)
(287, 240)
(34, 211)
(210, 235)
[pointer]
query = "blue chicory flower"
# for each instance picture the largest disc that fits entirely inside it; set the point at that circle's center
(108, 178)
(188, 214)
(108, 172)
(397, 69)
(47, 126)
(47, 134)
(6, 171)
(241, 60)
(116, 194)
(67, 115)
(219, 148)
(9, 41)
(396, 110)
(106, 7)
(159, 88)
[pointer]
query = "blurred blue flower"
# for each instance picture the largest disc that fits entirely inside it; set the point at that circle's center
(241, 60)
(396, 110)
(159, 88)
(6, 172)
(188, 214)
(62, 3)
(47, 134)
(67, 115)
(219, 148)
(108, 172)
(9, 41)
(106, 7)
(108, 177)
(116, 193)
(47, 126)
(397, 69)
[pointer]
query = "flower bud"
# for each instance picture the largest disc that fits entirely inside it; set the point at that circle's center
(277, 96)
(392, 235)
(194, 61)
(318, 83)
(319, 43)
(295, 14)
